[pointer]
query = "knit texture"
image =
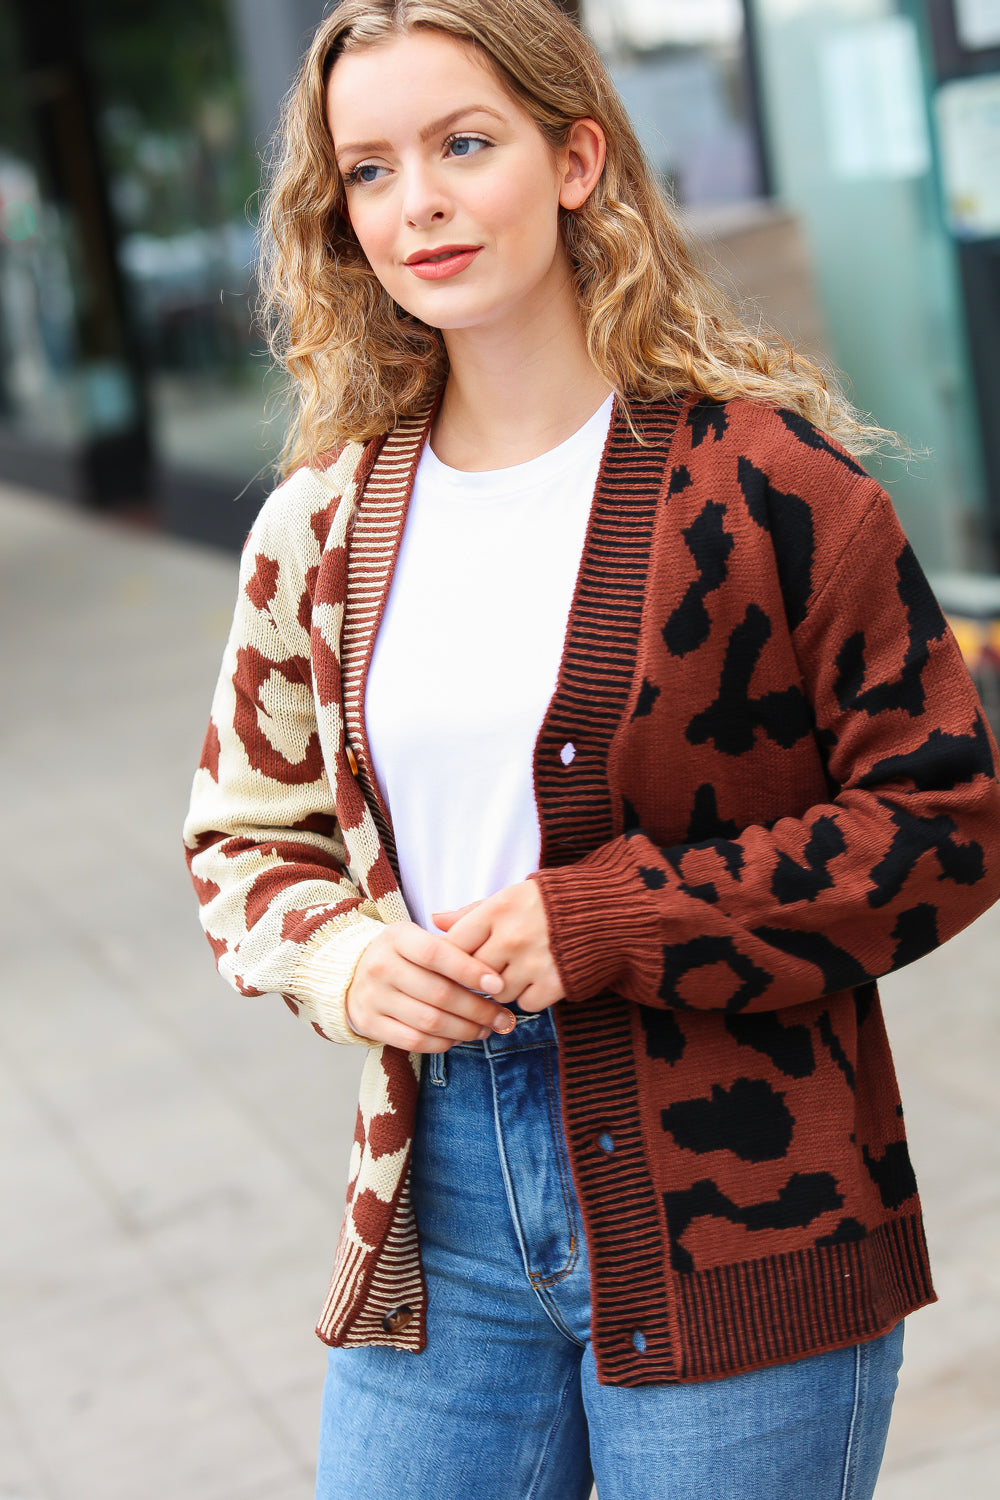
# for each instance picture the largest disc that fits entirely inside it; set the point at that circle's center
(763, 780)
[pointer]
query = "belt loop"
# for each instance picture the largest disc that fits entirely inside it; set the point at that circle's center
(439, 1071)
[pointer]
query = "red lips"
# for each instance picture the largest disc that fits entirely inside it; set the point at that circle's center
(442, 262)
(419, 257)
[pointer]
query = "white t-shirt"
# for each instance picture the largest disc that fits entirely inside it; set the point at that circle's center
(466, 660)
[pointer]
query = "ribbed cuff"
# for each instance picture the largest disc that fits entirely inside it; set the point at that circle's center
(324, 975)
(601, 931)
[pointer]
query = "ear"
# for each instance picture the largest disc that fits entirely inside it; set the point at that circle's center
(581, 162)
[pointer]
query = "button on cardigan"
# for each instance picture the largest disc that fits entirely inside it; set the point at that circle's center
(764, 779)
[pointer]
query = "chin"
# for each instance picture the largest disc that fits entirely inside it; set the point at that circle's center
(449, 319)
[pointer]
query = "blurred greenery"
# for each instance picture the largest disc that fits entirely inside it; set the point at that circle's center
(163, 57)
(172, 114)
(12, 121)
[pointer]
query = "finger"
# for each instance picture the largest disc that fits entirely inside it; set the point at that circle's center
(411, 1039)
(432, 1003)
(412, 1020)
(472, 928)
(532, 1000)
(447, 919)
(418, 1027)
(441, 956)
(432, 1020)
(498, 957)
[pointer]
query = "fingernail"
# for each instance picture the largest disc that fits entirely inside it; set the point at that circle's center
(491, 983)
(504, 1022)
(483, 1034)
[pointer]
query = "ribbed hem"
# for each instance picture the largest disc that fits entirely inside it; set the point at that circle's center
(776, 1309)
(785, 1307)
(368, 1285)
(596, 932)
(324, 975)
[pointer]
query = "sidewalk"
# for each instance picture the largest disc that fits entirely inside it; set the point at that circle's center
(174, 1156)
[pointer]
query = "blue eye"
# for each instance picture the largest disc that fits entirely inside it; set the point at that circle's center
(365, 172)
(465, 145)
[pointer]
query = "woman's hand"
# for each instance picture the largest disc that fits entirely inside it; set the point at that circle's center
(508, 932)
(414, 990)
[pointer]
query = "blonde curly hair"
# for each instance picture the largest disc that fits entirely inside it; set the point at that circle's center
(655, 322)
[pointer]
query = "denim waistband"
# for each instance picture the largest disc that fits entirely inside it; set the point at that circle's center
(531, 1031)
(536, 1030)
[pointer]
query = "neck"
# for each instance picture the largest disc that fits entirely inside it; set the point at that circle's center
(517, 390)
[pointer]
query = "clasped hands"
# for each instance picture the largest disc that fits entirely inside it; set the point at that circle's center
(417, 990)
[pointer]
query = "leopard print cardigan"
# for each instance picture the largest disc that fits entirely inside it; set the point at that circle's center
(763, 780)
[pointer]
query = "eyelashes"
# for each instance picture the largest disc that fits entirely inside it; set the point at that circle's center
(354, 177)
(472, 140)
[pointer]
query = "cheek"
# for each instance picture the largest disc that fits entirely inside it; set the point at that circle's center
(372, 225)
(525, 210)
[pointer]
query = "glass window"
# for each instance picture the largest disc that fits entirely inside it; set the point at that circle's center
(182, 178)
(681, 70)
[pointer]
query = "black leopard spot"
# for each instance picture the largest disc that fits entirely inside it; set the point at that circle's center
(915, 837)
(750, 1119)
(805, 1197)
(813, 438)
(915, 933)
(680, 478)
(840, 970)
(790, 1048)
(794, 882)
(831, 1042)
(789, 519)
(732, 720)
(680, 959)
(664, 1037)
(865, 996)
(710, 545)
(925, 624)
(648, 695)
(706, 890)
(943, 761)
(847, 1232)
(705, 822)
(891, 1173)
(652, 879)
(707, 416)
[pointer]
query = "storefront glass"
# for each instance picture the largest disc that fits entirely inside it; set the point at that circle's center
(846, 85)
(681, 69)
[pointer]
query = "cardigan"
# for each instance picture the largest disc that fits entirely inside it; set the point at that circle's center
(763, 780)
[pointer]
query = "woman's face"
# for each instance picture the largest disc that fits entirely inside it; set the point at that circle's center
(452, 190)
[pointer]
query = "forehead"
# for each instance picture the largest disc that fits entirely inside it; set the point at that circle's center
(396, 85)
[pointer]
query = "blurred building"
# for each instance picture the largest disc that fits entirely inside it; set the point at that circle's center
(840, 158)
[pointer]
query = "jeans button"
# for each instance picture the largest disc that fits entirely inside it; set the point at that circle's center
(397, 1318)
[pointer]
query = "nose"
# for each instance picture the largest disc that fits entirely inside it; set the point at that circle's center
(424, 199)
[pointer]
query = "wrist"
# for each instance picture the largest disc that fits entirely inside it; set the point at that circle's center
(325, 974)
(350, 1019)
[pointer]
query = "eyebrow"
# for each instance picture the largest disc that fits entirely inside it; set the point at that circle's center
(362, 148)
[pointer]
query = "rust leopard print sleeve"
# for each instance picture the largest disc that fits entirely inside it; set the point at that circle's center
(803, 778)
(279, 891)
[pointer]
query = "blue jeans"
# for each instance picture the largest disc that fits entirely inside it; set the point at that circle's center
(504, 1403)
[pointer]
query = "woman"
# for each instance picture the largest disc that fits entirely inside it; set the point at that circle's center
(587, 730)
